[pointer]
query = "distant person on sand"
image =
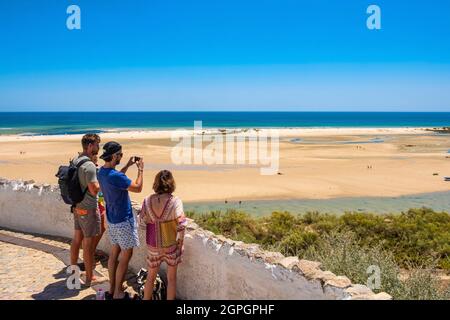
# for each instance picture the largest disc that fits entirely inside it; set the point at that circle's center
(162, 214)
(86, 215)
(122, 227)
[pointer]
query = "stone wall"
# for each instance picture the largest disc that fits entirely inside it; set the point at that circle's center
(214, 267)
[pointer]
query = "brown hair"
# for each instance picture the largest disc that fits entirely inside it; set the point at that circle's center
(88, 139)
(164, 182)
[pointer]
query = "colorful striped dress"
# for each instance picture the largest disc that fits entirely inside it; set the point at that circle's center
(165, 223)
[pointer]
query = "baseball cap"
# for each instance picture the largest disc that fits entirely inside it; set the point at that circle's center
(110, 148)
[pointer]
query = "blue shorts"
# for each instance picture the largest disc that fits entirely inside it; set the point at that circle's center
(124, 234)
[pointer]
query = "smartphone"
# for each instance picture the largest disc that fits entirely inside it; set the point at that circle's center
(135, 159)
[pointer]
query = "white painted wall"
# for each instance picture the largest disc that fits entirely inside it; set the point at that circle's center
(213, 268)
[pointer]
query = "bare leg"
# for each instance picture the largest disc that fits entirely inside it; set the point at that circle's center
(88, 257)
(148, 289)
(98, 237)
(171, 282)
(122, 269)
(75, 246)
(112, 267)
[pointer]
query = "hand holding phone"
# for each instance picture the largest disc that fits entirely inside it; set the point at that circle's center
(139, 163)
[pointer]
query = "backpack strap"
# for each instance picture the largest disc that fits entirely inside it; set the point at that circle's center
(79, 164)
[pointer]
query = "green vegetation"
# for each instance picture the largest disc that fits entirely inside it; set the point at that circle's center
(417, 241)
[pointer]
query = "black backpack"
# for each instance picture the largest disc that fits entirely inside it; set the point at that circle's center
(69, 183)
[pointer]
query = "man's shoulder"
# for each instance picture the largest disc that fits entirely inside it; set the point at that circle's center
(120, 175)
(89, 164)
(77, 159)
(102, 172)
(113, 178)
(112, 173)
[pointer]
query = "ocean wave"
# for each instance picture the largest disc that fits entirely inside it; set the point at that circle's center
(58, 132)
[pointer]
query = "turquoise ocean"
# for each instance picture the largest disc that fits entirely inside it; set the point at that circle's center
(54, 123)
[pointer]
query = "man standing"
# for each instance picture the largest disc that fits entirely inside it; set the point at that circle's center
(85, 213)
(122, 227)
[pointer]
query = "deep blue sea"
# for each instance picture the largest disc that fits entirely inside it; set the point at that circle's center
(51, 123)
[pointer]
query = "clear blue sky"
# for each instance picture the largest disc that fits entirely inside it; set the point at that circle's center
(225, 55)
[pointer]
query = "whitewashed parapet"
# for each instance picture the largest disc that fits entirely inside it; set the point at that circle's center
(338, 287)
(214, 267)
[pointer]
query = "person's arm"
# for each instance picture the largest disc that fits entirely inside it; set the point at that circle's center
(129, 164)
(143, 217)
(181, 223)
(91, 178)
(94, 188)
(137, 185)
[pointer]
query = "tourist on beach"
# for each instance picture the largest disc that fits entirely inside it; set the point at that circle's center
(86, 215)
(162, 214)
(122, 228)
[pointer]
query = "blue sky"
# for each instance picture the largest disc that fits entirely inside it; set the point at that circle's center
(225, 55)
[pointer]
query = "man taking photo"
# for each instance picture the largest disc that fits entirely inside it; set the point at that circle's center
(122, 226)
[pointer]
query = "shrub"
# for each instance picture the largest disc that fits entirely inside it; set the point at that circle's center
(417, 240)
(296, 242)
(342, 254)
(233, 224)
(411, 237)
(277, 226)
(422, 284)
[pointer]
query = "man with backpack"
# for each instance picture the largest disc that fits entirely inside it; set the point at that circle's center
(87, 221)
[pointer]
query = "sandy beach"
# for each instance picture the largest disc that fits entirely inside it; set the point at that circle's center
(314, 163)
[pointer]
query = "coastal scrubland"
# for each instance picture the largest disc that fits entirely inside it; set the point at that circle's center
(411, 249)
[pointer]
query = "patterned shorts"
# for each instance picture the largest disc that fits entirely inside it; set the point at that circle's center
(124, 234)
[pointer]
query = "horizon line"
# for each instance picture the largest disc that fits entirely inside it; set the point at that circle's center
(223, 111)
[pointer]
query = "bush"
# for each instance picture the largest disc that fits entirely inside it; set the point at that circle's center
(233, 224)
(296, 242)
(417, 240)
(422, 285)
(342, 254)
(277, 226)
(412, 237)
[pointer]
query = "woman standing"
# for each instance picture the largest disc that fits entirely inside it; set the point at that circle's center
(163, 215)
